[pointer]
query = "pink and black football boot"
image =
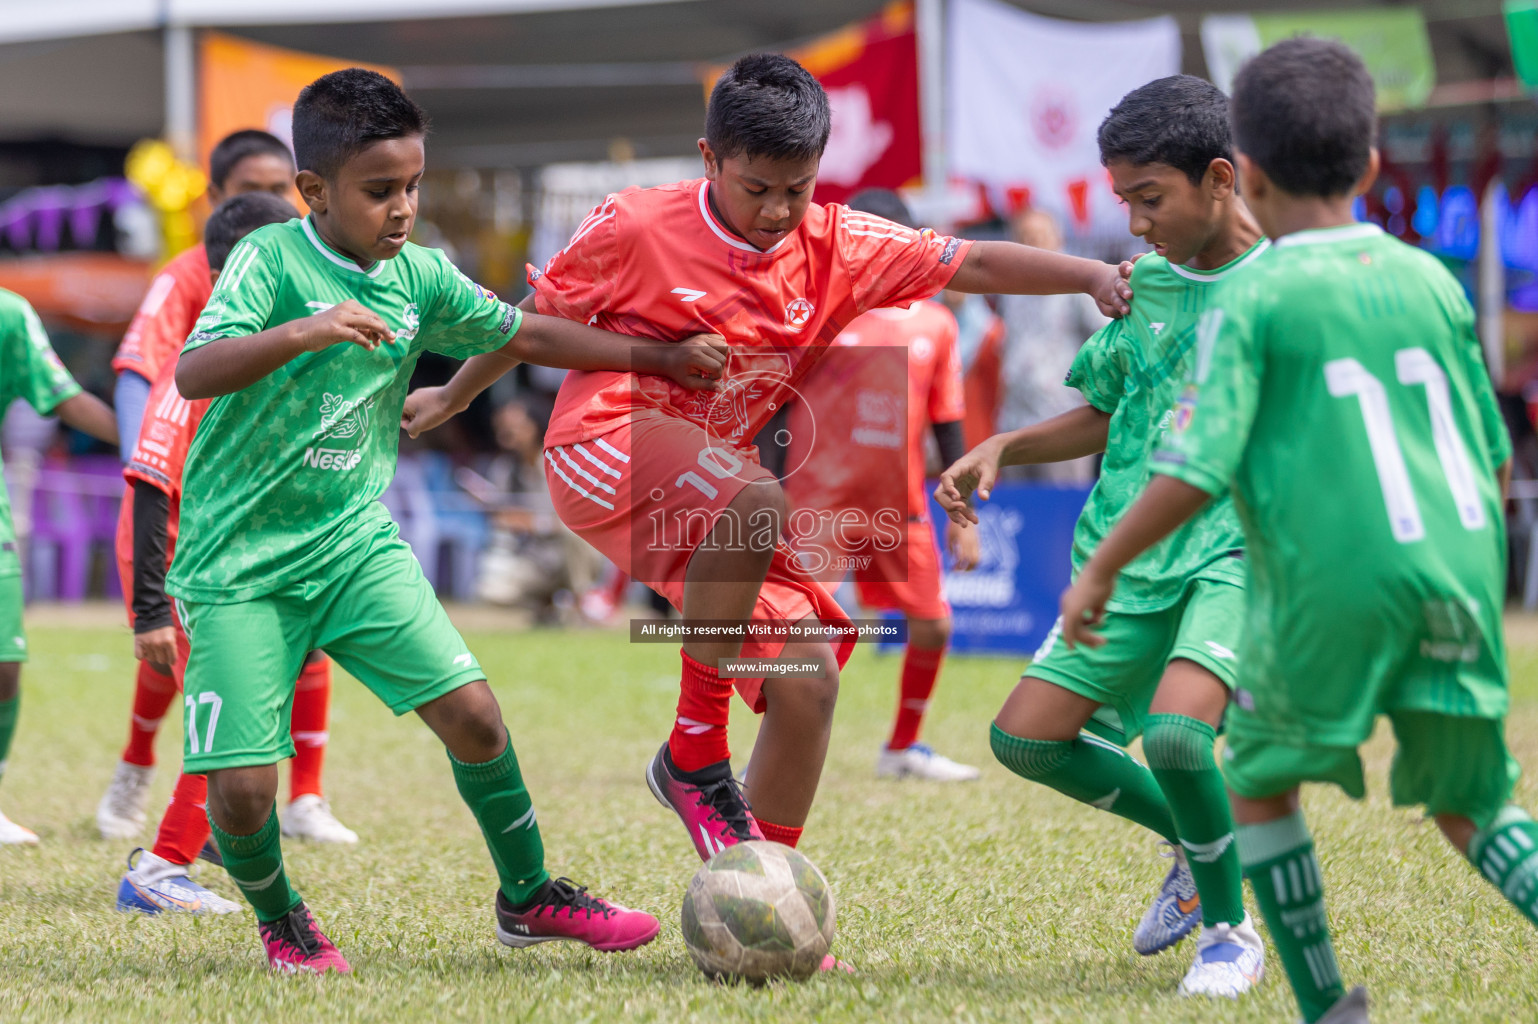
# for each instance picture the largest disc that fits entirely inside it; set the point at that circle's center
(295, 944)
(709, 802)
(563, 910)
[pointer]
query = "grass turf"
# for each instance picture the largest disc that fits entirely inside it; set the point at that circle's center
(993, 901)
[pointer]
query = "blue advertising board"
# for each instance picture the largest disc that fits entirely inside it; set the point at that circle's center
(1008, 603)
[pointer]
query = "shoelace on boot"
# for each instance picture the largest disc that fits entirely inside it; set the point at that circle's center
(298, 929)
(729, 806)
(566, 893)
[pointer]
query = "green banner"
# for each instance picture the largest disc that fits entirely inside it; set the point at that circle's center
(1392, 43)
(1522, 27)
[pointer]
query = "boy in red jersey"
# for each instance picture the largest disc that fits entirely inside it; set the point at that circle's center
(160, 880)
(667, 484)
(845, 440)
(241, 162)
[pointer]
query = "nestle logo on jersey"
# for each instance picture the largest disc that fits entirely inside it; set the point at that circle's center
(338, 459)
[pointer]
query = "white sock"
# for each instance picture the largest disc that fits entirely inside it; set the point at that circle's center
(152, 869)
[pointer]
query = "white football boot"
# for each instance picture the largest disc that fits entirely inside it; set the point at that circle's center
(12, 834)
(921, 762)
(120, 815)
(309, 817)
(1230, 960)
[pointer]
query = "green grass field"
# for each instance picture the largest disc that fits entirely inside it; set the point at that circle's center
(994, 901)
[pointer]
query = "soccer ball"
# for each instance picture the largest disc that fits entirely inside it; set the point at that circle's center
(756, 911)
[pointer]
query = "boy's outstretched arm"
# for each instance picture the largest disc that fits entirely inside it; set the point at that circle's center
(227, 365)
(89, 414)
(1072, 435)
(1163, 506)
(695, 363)
(1007, 268)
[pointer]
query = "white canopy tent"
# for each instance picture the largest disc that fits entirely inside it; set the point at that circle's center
(511, 82)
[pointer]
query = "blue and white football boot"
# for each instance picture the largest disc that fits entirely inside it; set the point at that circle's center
(1175, 911)
(154, 886)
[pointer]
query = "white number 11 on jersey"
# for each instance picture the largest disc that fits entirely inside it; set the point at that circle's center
(1347, 377)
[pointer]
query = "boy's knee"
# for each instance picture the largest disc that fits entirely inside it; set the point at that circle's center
(760, 509)
(811, 696)
(1028, 758)
(929, 634)
(1177, 743)
(469, 722)
(242, 798)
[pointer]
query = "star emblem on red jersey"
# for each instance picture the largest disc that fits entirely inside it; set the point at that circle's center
(797, 313)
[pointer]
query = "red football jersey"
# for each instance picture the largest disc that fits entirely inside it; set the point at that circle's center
(170, 421)
(166, 315)
(847, 427)
(657, 263)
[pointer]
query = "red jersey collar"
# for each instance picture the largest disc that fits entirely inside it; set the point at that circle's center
(729, 238)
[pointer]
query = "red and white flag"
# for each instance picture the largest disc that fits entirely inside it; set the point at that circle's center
(1025, 96)
(870, 71)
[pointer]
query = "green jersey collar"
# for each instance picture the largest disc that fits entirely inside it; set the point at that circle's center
(1232, 265)
(336, 257)
(1320, 236)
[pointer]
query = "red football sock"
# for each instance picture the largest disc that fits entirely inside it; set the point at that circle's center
(312, 712)
(704, 708)
(921, 667)
(153, 694)
(780, 833)
(184, 826)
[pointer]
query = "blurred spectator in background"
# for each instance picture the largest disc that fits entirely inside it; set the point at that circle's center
(979, 343)
(533, 561)
(1042, 334)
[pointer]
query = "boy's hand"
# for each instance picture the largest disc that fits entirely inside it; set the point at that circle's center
(156, 646)
(697, 362)
(1110, 289)
(965, 547)
(425, 409)
(345, 322)
(1083, 607)
(974, 472)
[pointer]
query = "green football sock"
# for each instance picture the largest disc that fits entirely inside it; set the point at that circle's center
(1091, 771)
(1506, 853)
(8, 711)
(1278, 859)
(497, 797)
(255, 862)
(1179, 752)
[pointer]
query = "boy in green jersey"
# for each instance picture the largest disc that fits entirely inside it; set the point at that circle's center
(306, 347)
(1340, 396)
(30, 369)
(1177, 621)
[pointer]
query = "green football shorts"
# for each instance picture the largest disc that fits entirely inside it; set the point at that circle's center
(1448, 764)
(13, 638)
(371, 609)
(1204, 626)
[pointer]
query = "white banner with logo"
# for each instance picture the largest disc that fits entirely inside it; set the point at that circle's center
(1026, 94)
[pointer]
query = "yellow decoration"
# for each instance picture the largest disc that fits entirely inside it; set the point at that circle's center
(171, 187)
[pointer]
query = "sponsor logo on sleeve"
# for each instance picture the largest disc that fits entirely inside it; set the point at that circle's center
(1185, 409)
(411, 320)
(948, 253)
(509, 318)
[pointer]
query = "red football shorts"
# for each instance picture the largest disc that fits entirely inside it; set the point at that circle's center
(647, 495)
(913, 588)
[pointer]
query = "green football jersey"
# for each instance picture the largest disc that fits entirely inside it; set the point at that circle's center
(285, 475)
(30, 369)
(1341, 394)
(1135, 369)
